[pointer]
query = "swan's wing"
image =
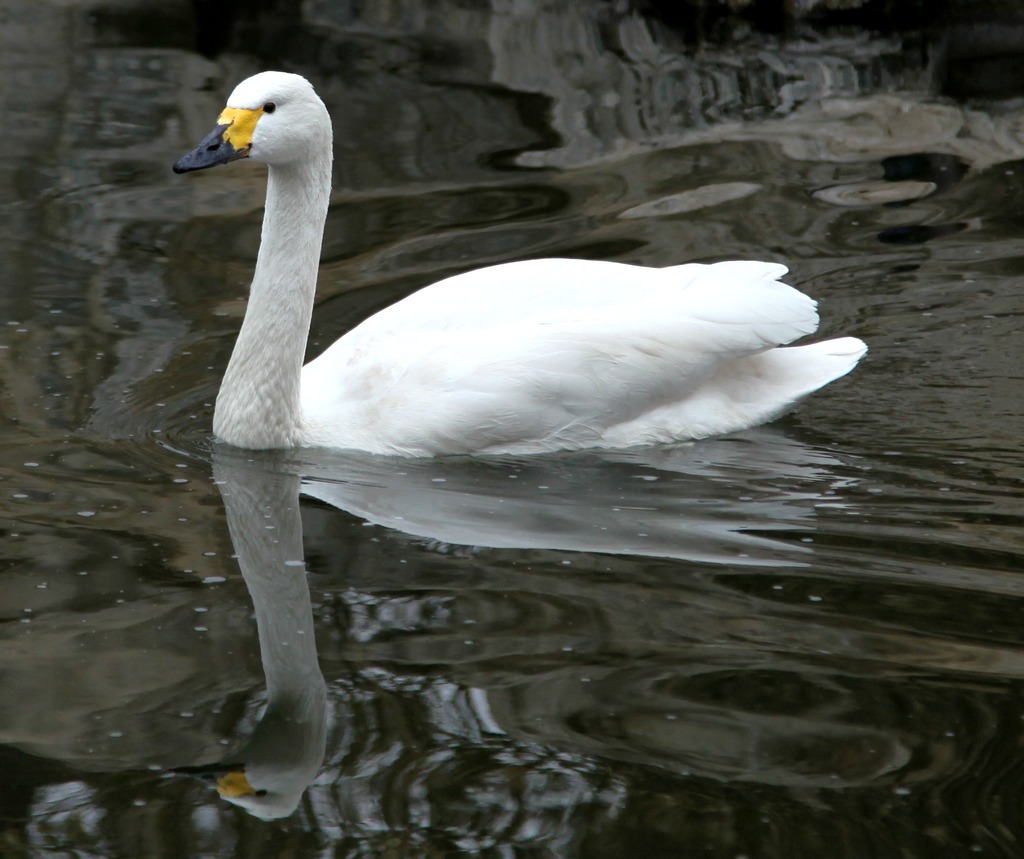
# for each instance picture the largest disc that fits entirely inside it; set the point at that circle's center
(564, 290)
(507, 359)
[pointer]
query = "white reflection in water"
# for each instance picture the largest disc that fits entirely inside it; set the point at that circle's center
(269, 773)
(717, 501)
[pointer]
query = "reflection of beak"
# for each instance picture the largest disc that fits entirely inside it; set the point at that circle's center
(231, 779)
(215, 149)
(235, 784)
(229, 141)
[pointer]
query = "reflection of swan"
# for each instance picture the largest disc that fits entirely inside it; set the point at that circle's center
(269, 773)
(718, 501)
(518, 358)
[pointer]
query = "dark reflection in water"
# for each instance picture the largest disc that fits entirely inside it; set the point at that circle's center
(797, 641)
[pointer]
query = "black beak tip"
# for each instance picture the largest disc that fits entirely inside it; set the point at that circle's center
(207, 772)
(189, 162)
(213, 150)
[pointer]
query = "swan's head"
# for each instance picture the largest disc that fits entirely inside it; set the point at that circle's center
(273, 117)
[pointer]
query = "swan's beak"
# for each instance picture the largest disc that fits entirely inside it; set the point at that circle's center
(229, 141)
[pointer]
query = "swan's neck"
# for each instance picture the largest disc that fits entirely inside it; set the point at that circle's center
(258, 404)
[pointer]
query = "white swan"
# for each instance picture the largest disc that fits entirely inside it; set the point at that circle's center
(523, 357)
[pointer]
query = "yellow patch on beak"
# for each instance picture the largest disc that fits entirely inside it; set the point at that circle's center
(235, 784)
(241, 123)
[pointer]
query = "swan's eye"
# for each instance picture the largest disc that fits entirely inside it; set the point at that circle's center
(269, 107)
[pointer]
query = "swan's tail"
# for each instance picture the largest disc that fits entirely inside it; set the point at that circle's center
(745, 393)
(804, 369)
(763, 386)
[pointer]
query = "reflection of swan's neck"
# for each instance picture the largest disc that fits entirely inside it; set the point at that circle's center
(286, 749)
(266, 531)
(258, 403)
(284, 619)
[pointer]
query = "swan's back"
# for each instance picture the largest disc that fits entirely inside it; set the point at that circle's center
(553, 354)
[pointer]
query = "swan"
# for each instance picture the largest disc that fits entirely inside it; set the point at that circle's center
(516, 358)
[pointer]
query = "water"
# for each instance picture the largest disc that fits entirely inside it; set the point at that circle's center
(801, 639)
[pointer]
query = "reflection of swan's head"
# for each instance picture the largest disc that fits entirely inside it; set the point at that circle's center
(268, 792)
(278, 798)
(274, 117)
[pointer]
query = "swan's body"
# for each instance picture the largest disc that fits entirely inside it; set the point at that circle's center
(517, 358)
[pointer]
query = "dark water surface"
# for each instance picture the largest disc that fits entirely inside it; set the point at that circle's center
(802, 640)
